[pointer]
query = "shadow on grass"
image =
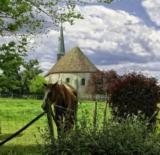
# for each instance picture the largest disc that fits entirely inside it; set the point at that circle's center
(5, 136)
(20, 150)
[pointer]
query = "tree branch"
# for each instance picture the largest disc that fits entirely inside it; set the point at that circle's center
(34, 4)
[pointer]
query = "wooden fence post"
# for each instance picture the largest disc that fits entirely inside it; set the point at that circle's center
(95, 116)
(49, 117)
(75, 115)
(105, 112)
(0, 127)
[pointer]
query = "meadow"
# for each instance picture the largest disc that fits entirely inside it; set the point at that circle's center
(16, 113)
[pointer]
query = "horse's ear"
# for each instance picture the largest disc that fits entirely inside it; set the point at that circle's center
(45, 84)
(55, 83)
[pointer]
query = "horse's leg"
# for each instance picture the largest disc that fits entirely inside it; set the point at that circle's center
(71, 116)
(66, 116)
(69, 121)
(72, 120)
(59, 119)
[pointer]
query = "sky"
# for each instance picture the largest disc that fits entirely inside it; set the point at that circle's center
(123, 36)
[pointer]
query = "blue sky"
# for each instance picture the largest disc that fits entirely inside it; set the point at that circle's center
(123, 36)
(136, 8)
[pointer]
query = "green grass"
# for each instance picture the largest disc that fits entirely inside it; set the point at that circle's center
(16, 113)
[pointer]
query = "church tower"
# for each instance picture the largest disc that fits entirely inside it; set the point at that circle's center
(61, 47)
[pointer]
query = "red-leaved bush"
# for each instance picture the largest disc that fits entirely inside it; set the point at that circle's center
(100, 82)
(133, 93)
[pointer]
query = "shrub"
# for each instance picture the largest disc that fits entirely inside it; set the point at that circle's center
(133, 93)
(130, 137)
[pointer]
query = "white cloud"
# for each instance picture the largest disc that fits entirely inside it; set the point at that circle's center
(152, 7)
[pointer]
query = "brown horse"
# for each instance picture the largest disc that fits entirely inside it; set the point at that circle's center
(65, 103)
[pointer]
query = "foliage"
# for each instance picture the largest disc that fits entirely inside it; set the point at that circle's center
(95, 83)
(30, 72)
(110, 77)
(100, 81)
(130, 137)
(36, 85)
(11, 58)
(133, 93)
(34, 16)
(12, 80)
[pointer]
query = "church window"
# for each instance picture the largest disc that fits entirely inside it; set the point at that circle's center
(83, 82)
(68, 80)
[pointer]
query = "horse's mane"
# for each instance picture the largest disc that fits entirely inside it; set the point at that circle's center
(68, 85)
(75, 93)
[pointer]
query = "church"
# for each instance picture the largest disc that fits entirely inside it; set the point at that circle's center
(72, 68)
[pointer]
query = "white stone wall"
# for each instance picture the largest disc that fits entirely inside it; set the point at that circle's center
(75, 80)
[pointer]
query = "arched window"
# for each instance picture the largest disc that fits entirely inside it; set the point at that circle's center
(68, 80)
(83, 82)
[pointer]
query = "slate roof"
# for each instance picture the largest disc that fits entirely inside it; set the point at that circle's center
(73, 61)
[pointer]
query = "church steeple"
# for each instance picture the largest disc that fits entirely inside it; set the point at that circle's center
(61, 47)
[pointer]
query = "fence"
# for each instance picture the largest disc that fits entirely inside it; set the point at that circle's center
(93, 97)
(87, 97)
(22, 96)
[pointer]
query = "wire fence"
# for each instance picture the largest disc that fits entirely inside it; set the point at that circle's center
(87, 97)
(22, 96)
(93, 97)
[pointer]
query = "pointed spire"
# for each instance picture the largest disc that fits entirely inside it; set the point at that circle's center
(61, 47)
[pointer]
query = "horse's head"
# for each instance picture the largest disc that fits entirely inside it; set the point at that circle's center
(50, 94)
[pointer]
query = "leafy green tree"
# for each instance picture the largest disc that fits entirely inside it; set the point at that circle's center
(11, 58)
(36, 85)
(30, 72)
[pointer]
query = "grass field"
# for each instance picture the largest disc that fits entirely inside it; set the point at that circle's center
(15, 113)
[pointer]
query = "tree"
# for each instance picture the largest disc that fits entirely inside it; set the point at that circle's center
(36, 85)
(95, 83)
(100, 82)
(11, 58)
(135, 93)
(30, 72)
(109, 77)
